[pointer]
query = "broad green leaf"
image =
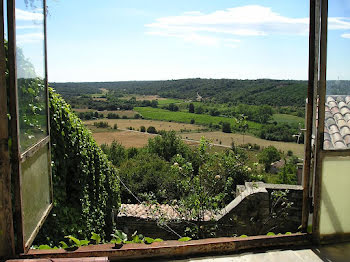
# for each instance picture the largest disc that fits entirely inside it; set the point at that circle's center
(44, 247)
(96, 237)
(185, 239)
(63, 244)
(158, 240)
(84, 242)
(148, 240)
(75, 240)
(270, 234)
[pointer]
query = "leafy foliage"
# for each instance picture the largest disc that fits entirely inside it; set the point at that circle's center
(269, 155)
(86, 189)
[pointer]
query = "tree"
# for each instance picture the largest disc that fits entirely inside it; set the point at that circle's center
(199, 110)
(151, 130)
(226, 127)
(269, 155)
(242, 124)
(191, 108)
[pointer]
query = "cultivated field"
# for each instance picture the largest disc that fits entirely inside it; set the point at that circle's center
(185, 117)
(226, 140)
(126, 138)
(137, 123)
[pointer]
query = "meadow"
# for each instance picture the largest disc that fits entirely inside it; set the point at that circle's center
(288, 119)
(185, 117)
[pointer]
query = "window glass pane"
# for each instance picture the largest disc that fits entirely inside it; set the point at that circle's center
(30, 72)
(337, 121)
(335, 212)
(35, 190)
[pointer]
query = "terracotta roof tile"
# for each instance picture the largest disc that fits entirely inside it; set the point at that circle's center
(345, 110)
(342, 104)
(330, 99)
(329, 115)
(337, 122)
(344, 131)
(340, 145)
(340, 99)
(330, 121)
(347, 117)
(347, 140)
(332, 104)
(335, 110)
(153, 212)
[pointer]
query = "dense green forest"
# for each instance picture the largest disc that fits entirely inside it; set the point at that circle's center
(252, 92)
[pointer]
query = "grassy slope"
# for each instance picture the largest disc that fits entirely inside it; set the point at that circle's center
(184, 117)
(289, 119)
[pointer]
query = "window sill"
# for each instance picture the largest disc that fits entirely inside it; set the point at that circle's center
(175, 248)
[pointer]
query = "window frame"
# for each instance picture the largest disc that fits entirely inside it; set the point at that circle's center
(312, 160)
(17, 158)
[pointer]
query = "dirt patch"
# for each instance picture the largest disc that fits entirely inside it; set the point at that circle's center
(137, 123)
(226, 139)
(126, 138)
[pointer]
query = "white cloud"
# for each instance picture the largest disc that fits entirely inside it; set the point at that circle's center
(29, 16)
(29, 38)
(27, 26)
(345, 36)
(250, 20)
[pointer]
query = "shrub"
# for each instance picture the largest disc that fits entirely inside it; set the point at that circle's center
(112, 116)
(125, 117)
(167, 145)
(86, 188)
(101, 124)
(151, 130)
(192, 121)
(115, 126)
(142, 129)
(145, 174)
(226, 127)
(191, 108)
(269, 155)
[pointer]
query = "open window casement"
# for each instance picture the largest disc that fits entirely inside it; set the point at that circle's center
(331, 131)
(28, 120)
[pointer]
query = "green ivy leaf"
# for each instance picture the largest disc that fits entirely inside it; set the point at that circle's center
(185, 239)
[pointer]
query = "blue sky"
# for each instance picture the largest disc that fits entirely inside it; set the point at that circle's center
(114, 40)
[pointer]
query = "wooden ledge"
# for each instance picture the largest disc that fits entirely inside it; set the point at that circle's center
(175, 248)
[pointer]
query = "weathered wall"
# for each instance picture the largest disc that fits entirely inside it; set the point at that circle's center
(250, 213)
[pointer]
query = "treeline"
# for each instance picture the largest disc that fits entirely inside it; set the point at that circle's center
(110, 102)
(252, 92)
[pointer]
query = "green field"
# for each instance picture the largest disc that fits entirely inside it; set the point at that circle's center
(289, 119)
(184, 117)
(169, 101)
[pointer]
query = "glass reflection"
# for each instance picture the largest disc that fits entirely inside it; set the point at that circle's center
(337, 118)
(30, 72)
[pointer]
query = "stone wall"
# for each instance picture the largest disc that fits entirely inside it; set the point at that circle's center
(252, 212)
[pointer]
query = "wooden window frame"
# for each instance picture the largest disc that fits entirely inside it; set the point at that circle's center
(312, 161)
(17, 158)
